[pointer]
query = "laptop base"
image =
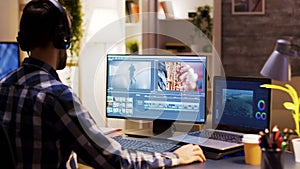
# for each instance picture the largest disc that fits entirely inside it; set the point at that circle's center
(218, 154)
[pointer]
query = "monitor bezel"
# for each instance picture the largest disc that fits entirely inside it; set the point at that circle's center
(248, 79)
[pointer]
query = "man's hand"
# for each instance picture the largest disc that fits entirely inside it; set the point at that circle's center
(190, 153)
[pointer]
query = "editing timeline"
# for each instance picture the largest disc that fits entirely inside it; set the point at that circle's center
(124, 105)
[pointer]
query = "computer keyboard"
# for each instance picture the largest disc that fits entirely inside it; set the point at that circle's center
(228, 137)
(145, 144)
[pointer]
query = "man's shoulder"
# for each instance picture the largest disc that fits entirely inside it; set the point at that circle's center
(39, 80)
(52, 85)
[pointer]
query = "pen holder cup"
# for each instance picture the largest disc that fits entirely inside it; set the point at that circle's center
(271, 159)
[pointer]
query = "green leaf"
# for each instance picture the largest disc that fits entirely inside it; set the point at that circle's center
(74, 8)
(289, 105)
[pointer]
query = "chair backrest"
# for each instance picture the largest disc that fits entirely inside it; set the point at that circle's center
(7, 159)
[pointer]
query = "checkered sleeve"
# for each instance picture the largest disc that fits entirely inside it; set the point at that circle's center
(96, 149)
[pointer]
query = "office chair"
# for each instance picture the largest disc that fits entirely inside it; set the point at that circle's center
(7, 159)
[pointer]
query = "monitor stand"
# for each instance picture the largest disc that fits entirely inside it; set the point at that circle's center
(163, 127)
(160, 129)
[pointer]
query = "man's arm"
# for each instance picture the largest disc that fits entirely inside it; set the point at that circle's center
(99, 151)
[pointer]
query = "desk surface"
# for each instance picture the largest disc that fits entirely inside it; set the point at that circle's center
(231, 163)
(238, 163)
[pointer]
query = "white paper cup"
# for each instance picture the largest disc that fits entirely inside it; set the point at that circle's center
(296, 147)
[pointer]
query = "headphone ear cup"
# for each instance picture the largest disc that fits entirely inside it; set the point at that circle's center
(22, 41)
(57, 38)
(61, 37)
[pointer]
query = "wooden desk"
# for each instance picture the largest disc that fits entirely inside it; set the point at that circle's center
(238, 163)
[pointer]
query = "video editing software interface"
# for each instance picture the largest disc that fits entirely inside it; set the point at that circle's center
(245, 105)
(151, 87)
(9, 57)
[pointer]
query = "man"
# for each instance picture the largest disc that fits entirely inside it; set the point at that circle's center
(132, 80)
(45, 119)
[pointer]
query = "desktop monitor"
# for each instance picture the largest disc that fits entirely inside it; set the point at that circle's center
(159, 88)
(9, 57)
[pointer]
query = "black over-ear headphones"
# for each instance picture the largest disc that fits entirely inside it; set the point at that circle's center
(62, 33)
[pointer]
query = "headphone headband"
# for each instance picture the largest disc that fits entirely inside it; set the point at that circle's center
(62, 32)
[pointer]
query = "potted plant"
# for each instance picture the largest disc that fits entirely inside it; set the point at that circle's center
(294, 107)
(132, 46)
(74, 8)
(203, 24)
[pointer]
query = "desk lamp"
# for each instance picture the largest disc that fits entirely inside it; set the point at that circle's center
(277, 66)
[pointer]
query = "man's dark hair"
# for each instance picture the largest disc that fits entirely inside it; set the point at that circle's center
(41, 23)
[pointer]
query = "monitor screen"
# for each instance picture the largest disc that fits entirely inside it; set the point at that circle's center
(9, 57)
(240, 103)
(156, 87)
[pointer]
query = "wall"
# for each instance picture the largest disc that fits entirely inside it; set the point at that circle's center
(248, 40)
(9, 20)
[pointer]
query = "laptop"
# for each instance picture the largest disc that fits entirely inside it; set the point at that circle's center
(240, 106)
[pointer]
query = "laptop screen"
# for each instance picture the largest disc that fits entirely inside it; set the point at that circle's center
(240, 104)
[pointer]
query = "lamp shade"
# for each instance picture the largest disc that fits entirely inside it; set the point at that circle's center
(277, 66)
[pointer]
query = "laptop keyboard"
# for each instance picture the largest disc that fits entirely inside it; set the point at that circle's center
(217, 135)
(140, 144)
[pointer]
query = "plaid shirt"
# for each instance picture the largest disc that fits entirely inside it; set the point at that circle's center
(46, 122)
